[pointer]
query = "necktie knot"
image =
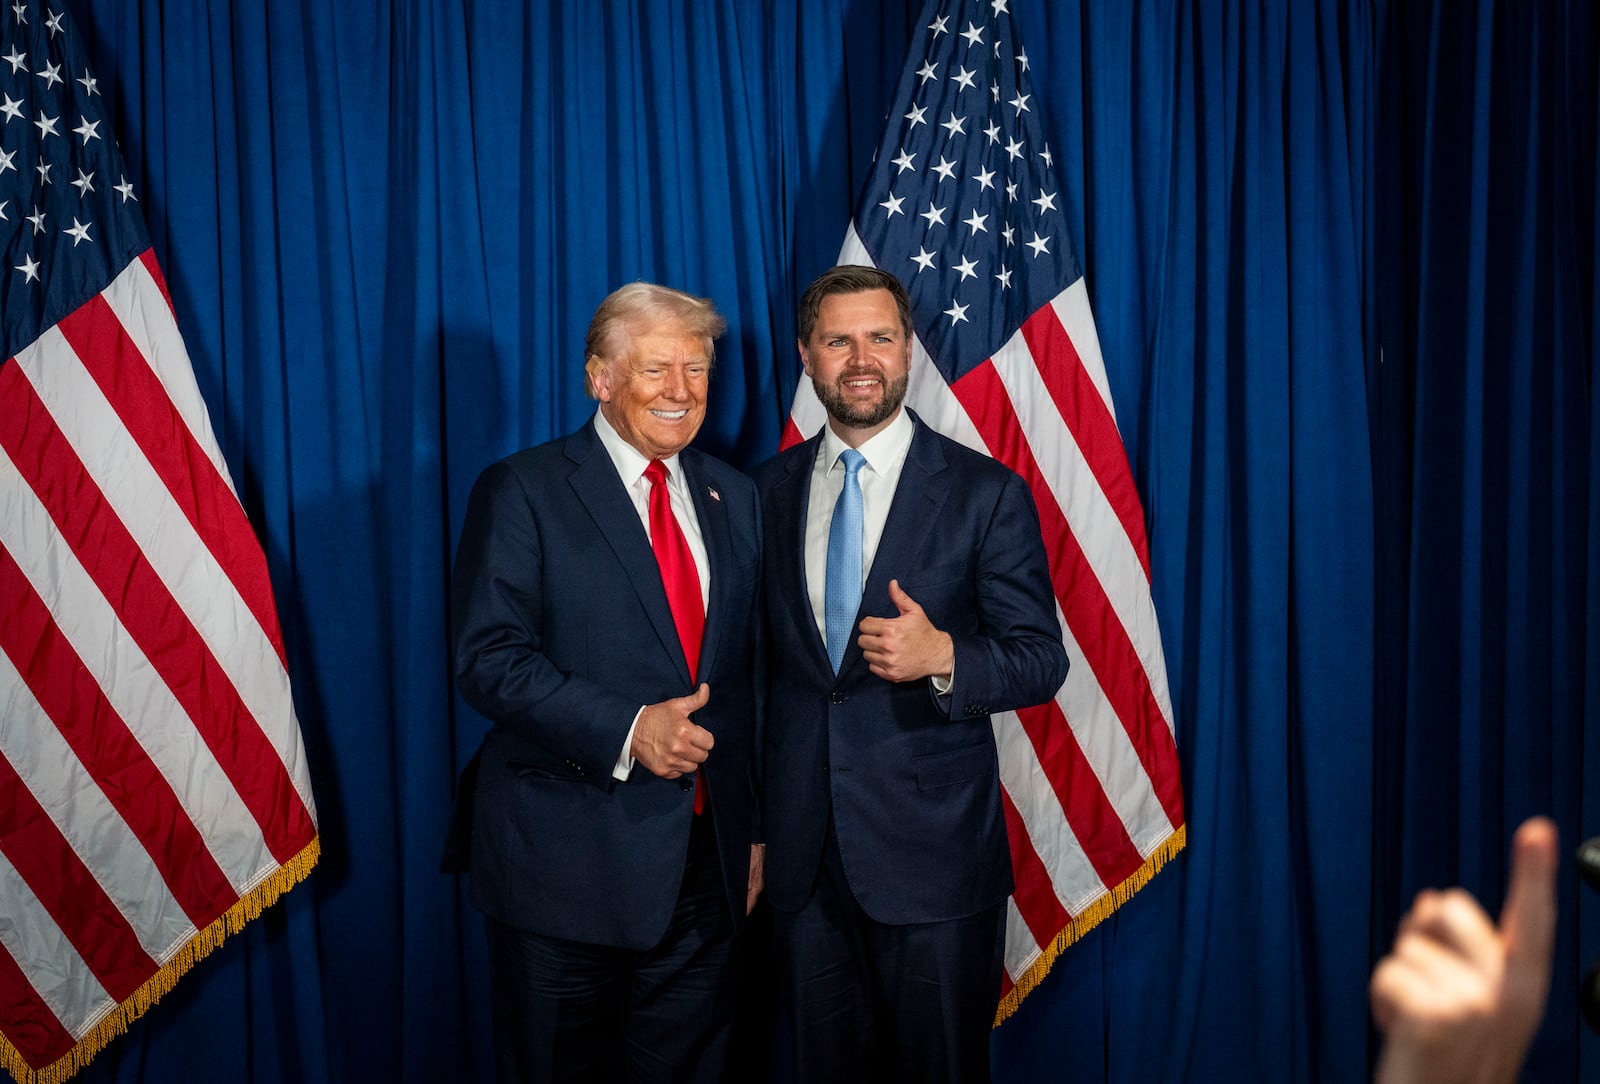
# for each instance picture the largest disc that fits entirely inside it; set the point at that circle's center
(853, 462)
(656, 471)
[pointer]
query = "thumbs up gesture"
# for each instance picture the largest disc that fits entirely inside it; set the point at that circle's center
(907, 647)
(667, 741)
(1460, 997)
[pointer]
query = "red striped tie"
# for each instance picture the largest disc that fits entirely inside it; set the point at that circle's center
(682, 581)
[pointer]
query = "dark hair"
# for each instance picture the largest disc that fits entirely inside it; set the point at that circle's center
(850, 279)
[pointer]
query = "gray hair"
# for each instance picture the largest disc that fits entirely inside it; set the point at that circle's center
(624, 310)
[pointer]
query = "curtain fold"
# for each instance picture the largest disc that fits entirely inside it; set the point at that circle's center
(1342, 264)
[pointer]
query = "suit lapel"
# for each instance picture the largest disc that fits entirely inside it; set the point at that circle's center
(712, 513)
(595, 482)
(791, 497)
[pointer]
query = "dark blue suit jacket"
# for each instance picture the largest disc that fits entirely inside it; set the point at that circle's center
(562, 632)
(912, 782)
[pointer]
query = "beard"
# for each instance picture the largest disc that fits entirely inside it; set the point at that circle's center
(860, 415)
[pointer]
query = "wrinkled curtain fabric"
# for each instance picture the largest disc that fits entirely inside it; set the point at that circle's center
(1342, 261)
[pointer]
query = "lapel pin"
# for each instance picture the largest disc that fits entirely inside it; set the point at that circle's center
(713, 494)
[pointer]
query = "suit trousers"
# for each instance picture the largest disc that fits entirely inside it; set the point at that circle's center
(873, 1002)
(573, 1012)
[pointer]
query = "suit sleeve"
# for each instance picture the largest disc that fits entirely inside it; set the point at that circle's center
(501, 663)
(1015, 659)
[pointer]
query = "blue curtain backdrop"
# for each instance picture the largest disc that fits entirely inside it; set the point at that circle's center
(1342, 258)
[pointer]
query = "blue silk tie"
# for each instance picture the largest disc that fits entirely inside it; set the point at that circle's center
(842, 593)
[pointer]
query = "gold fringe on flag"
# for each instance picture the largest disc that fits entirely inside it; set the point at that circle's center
(1088, 919)
(197, 948)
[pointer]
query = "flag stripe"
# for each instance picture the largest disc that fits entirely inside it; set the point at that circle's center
(1036, 904)
(151, 615)
(30, 1024)
(67, 695)
(86, 820)
(1039, 808)
(136, 693)
(1090, 422)
(145, 505)
(1062, 462)
(59, 880)
(96, 335)
(1110, 754)
(1094, 822)
(1107, 649)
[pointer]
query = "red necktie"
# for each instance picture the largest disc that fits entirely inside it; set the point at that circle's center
(680, 578)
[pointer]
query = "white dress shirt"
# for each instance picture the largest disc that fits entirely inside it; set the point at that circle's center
(631, 464)
(885, 454)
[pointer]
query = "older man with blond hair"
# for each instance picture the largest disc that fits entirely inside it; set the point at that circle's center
(605, 611)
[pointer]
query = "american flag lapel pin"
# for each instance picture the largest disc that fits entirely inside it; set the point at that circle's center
(713, 494)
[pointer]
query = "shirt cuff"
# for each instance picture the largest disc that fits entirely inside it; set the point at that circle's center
(625, 758)
(942, 685)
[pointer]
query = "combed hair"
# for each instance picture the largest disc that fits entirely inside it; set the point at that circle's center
(627, 309)
(850, 279)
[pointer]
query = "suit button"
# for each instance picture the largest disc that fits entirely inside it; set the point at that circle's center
(686, 782)
(824, 765)
(838, 698)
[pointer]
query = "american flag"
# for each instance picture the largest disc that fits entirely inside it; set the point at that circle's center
(154, 794)
(964, 206)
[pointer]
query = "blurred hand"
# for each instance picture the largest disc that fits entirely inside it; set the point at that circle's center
(1459, 998)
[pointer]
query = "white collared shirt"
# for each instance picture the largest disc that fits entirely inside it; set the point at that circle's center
(885, 455)
(630, 464)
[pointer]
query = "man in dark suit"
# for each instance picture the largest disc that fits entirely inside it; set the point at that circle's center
(605, 616)
(907, 597)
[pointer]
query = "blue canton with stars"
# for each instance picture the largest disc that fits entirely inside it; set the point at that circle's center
(963, 205)
(68, 221)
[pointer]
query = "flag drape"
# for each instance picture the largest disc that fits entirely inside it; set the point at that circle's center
(965, 207)
(154, 794)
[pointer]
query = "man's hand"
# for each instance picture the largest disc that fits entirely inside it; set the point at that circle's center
(1459, 998)
(907, 647)
(667, 741)
(758, 876)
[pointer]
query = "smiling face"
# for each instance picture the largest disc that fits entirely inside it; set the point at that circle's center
(858, 357)
(653, 392)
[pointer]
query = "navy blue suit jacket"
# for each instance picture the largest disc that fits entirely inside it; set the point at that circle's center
(912, 779)
(562, 632)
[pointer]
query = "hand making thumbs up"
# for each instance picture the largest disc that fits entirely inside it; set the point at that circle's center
(907, 647)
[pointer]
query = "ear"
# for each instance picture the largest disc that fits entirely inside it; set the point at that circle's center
(805, 357)
(599, 374)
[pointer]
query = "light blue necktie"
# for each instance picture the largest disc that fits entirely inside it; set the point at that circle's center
(842, 593)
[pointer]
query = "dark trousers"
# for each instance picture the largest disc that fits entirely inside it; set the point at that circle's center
(873, 1002)
(569, 1011)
